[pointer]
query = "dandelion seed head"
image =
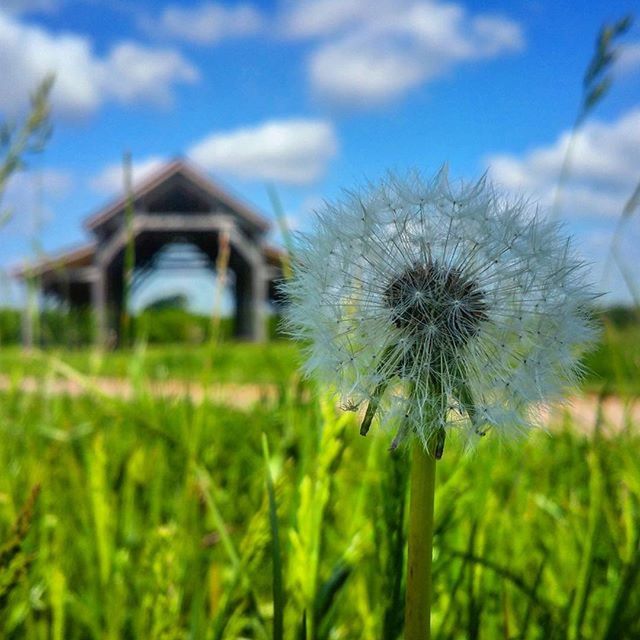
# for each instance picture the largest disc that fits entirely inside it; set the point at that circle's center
(446, 306)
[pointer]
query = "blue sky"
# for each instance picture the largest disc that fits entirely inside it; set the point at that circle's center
(317, 95)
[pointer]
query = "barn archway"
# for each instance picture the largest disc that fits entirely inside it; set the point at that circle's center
(178, 204)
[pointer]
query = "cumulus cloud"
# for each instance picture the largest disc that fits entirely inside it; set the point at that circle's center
(294, 151)
(25, 203)
(603, 172)
(311, 18)
(110, 180)
(367, 57)
(208, 23)
(133, 73)
(128, 73)
(628, 61)
(613, 260)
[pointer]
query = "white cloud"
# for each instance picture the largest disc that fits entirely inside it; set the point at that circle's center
(376, 56)
(628, 61)
(603, 173)
(111, 179)
(133, 73)
(25, 203)
(209, 22)
(604, 169)
(34, 184)
(310, 18)
(294, 151)
(129, 73)
(608, 267)
(351, 73)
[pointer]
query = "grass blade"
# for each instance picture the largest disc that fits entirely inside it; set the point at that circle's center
(585, 572)
(278, 591)
(327, 594)
(616, 625)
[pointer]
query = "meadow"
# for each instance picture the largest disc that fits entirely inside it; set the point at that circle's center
(139, 515)
(167, 518)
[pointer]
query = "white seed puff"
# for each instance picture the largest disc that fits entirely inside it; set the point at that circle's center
(437, 305)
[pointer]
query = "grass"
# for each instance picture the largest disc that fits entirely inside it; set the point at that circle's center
(164, 519)
(154, 521)
(275, 362)
(157, 518)
(614, 363)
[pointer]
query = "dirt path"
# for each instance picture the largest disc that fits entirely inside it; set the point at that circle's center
(616, 414)
(235, 395)
(582, 409)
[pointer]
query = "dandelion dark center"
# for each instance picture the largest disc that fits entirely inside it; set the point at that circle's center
(439, 301)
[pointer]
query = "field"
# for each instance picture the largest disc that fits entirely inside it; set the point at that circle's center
(155, 517)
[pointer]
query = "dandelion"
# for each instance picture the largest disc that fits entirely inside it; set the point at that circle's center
(438, 307)
(445, 308)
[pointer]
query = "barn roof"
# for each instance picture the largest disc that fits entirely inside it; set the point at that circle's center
(193, 175)
(75, 258)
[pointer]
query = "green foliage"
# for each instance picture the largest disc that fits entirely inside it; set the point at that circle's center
(273, 363)
(10, 326)
(158, 325)
(169, 326)
(55, 328)
(276, 556)
(177, 301)
(14, 561)
(619, 317)
(613, 366)
(155, 521)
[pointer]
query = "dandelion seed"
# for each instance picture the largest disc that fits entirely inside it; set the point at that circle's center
(440, 307)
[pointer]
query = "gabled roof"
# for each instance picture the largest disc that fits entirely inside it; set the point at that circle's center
(75, 258)
(192, 174)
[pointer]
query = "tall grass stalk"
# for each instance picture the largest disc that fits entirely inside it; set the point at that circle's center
(222, 267)
(596, 83)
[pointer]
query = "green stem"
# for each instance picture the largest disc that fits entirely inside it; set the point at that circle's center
(419, 587)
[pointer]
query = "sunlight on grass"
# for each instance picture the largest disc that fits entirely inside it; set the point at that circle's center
(154, 521)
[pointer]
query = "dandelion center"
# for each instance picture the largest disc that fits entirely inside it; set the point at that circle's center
(438, 301)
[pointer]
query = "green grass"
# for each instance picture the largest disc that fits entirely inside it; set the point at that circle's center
(274, 362)
(613, 364)
(156, 520)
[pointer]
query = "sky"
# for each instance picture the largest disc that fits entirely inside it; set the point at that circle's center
(316, 96)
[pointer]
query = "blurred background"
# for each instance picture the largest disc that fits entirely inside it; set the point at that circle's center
(166, 471)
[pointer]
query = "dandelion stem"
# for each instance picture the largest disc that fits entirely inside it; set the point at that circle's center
(419, 583)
